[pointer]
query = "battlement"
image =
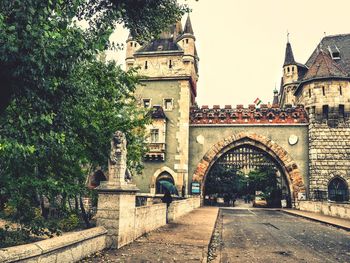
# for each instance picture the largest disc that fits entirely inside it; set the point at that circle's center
(265, 114)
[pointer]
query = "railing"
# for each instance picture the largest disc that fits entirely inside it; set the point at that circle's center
(156, 147)
(156, 152)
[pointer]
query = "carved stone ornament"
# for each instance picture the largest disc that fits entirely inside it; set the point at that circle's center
(293, 139)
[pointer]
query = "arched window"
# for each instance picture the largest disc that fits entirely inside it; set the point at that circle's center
(338, 190)
(164, 176)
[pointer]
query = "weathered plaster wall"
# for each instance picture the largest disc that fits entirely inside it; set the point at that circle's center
(177, 128)
(202, 138)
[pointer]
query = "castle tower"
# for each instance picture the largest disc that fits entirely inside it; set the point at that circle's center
(131, 47)
(170, 64)
(292, 73)
(290, 77)
(324, 90)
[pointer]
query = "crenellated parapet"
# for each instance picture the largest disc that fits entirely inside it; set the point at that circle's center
(252, 115)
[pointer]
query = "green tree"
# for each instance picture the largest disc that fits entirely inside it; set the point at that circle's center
(222, 180)
(61, 104)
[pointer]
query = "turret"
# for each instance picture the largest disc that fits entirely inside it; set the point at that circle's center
(292, 71)
(131, 47)
(187, 42)
(290, 68)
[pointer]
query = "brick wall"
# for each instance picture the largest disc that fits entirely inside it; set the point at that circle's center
(329, 154)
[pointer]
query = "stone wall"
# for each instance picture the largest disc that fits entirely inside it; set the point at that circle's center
(329, 154)
(326, 208)
(182, 207)
(148, 218)
(70, 247)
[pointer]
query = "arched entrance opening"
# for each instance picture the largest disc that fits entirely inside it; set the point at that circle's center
(247, 173)
(164, 176)
(283, 161)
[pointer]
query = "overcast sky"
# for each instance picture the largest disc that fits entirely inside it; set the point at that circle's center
(241, 43)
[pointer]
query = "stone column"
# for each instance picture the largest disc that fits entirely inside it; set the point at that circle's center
(117, 197)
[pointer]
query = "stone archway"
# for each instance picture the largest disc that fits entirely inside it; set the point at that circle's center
(157, 173)
(281, 156)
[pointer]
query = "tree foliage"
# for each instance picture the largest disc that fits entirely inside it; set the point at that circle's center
(60, 104)
(222, 180)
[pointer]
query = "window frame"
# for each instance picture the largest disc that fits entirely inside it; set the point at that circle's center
(164, 104)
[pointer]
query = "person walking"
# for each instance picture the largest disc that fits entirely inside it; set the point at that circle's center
(167, 198)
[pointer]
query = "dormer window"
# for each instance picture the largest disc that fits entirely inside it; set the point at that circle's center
(160, 48)
(335, 52)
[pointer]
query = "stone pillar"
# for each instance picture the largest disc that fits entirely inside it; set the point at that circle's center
(117, 198)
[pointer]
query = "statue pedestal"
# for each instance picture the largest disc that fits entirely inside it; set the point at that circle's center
(116, 212)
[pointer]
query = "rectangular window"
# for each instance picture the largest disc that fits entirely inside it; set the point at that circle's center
(146, 65)
(309, 93)
(325, 111)
(170, 64)
(340, 91)
(154, 135)
(341, 111)
(146, 103)
(168, 104)
(323, 92)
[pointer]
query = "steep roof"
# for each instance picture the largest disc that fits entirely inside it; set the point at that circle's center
(160, 45)
(335, 42)
(188, 26)
(324, 66)
(289, 57)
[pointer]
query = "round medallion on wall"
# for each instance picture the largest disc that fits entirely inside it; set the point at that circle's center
(200, 139)
(293, 139)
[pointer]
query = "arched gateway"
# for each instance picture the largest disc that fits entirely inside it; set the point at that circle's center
(271, 148)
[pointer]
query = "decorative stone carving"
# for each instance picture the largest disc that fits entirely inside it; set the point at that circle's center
(118, 173)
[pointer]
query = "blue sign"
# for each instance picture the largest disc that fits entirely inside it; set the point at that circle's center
(196, 188)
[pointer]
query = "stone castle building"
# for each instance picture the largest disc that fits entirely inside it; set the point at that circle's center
(322, 86)
(305, 131)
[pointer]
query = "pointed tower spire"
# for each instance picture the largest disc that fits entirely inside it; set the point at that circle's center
(188, 26)
(289, 57)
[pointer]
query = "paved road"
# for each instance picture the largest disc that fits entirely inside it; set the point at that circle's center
(256, 235)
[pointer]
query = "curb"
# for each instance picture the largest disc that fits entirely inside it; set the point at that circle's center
(316, 220)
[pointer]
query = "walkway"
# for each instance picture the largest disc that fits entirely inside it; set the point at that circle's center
(334, 221)
(185, 240)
